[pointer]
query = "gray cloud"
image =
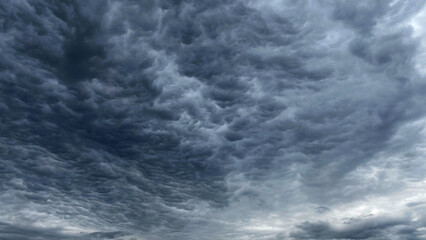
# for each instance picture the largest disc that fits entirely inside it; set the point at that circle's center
(368, 230)
(210, 120)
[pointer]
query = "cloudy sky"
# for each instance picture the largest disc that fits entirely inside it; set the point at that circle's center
(212, 119)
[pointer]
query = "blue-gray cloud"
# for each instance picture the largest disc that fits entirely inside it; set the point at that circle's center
(211, 120)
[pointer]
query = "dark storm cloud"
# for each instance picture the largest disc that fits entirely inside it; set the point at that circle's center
(373, 229)
(12, 232)
(362, 227)
(192, 119)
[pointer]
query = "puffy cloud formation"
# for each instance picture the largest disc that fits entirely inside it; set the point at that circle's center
(242, 119)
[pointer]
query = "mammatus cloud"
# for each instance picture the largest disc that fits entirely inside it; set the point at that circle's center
(212, 119)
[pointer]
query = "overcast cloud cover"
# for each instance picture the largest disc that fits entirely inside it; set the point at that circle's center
(212, 119)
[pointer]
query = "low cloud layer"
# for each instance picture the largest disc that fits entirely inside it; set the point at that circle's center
(140, 120)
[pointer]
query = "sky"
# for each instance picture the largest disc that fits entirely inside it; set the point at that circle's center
(212, 119)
